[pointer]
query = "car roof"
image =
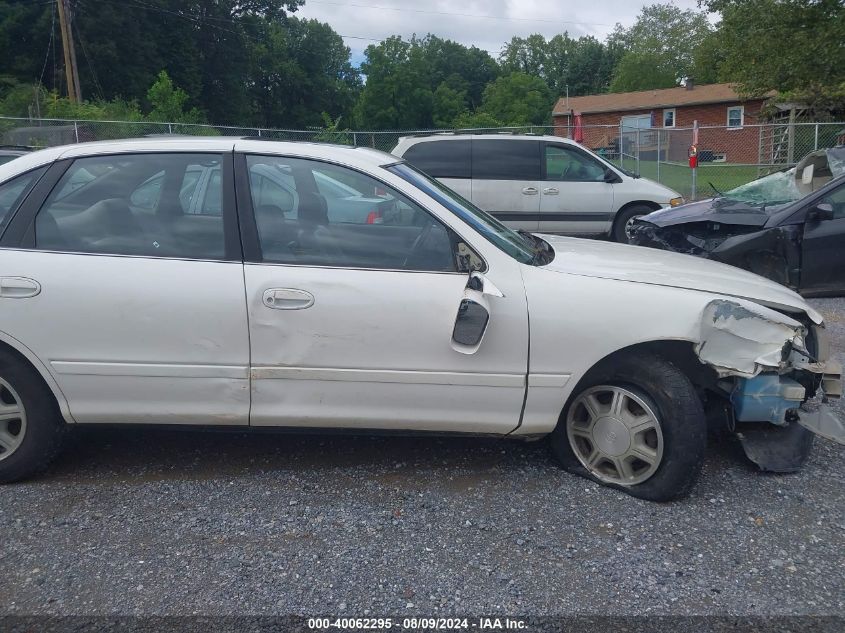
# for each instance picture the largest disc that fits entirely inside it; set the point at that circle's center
(449, 136)
(360, 157)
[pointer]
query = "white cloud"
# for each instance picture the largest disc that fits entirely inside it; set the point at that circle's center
(378, 19)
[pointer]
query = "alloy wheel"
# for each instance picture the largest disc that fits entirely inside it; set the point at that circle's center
(615, 435)
(12, 420)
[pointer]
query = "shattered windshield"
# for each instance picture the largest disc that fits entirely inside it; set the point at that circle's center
(785, 186)
(775, 189)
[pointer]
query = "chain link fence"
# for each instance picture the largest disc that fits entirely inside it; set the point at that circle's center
(727, 156)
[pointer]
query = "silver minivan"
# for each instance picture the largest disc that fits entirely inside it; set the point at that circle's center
(544, 184)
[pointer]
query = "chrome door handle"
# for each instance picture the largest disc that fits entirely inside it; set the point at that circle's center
(530, 191)
(287, 299)
(18, 287)
(550, 191)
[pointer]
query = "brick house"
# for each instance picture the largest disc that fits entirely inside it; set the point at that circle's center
(716, 106)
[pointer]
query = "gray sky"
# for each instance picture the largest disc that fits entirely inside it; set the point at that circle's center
(378, 19)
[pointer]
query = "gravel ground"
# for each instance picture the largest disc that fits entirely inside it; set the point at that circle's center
(164, 522)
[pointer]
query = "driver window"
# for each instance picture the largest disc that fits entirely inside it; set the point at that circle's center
(319, 214)
(570, 165)
(836, 199)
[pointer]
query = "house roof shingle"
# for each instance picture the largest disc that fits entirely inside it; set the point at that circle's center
(645, 99)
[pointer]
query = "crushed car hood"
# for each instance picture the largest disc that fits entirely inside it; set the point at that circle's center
(721, 210)
(606, 260)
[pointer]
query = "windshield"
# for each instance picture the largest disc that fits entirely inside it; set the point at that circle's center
(789, 185)
(775, 189)
(494, 231)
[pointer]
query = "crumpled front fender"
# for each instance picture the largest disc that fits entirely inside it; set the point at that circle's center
(742, 338)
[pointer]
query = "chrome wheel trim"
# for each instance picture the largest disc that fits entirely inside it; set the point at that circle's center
(615, 435)
(12, 420)
(630, 223)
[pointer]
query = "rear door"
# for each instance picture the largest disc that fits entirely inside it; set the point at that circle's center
(822, 252)
(574, 196)
(506, 180)
(135, 304)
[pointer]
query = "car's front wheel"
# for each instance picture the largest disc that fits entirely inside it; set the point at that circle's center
(637, 424)
(624, 219)
(31, 428)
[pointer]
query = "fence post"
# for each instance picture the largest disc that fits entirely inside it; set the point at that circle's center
(816, 144)
(259, 131)
(638, 149)
(658, 154)
(76, 131)
(170, 128)
(354, 139)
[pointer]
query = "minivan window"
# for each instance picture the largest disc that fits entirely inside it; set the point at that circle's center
(505, 159)
(442, 158)
(566, 164)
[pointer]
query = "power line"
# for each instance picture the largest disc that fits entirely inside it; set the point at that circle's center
(450, 13)
(49, 43)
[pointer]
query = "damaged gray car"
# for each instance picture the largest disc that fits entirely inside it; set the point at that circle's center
(788, 226)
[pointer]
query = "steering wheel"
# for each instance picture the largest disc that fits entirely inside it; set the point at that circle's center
(418, 243)
(567, 168)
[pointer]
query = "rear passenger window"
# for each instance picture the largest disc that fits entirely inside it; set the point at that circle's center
(156, 205)
(441, 159)
(505, 159)
(12, 192)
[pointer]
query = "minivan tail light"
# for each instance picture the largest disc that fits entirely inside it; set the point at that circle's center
(374, 217)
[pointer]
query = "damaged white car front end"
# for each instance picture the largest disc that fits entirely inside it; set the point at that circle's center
(773, 369)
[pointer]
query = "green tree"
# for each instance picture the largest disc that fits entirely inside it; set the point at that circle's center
(518, 99)
(476, 121)
(448, 105)
(792, 46)
(660, 47)
(301, 70)
(168, 102)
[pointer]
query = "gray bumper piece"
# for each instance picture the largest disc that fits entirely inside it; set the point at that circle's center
(822, 421)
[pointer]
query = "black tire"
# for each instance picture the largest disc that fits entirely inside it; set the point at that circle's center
(623, 217)
(672, 397)
(42, 438)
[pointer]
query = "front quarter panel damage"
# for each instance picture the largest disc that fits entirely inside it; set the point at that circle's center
(741, 338)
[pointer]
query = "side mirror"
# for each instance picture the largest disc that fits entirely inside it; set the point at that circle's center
(610, 176)
(470, 324)
(822, 211)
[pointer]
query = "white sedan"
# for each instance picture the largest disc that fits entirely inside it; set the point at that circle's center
(117, 307)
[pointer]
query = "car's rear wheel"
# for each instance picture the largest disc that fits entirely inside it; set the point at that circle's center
(31, 428)
(636, 424)
(623, 221)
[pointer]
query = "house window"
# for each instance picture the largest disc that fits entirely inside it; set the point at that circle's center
(669, 117)
(736, 116)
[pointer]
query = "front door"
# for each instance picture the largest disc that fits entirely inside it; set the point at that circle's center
(822, 255)
(351, 324)
(574, 197)
(148, 319)
(506, 180)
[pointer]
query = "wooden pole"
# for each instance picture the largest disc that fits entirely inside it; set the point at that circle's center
(71, 72)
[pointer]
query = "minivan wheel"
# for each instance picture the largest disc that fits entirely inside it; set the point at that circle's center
(623, 220)
(636, 424)
(31, 428)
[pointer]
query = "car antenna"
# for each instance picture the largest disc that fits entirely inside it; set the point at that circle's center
(713, 187)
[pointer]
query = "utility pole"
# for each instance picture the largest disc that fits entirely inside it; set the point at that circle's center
(71, 72)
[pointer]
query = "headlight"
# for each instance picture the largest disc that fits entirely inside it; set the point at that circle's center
(674, 202)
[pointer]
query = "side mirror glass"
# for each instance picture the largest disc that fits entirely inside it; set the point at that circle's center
(822, 211)
(470, 323)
